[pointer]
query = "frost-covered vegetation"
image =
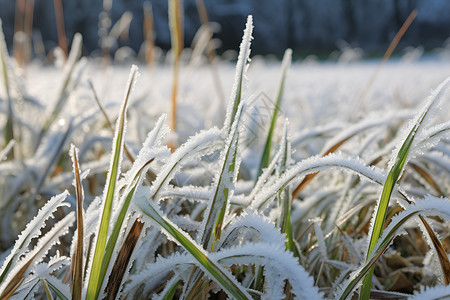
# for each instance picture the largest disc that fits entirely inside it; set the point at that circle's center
(310, 182)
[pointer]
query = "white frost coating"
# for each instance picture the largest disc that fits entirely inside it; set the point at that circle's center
(320, 237)
(365, 124)
(430, 293)
(43, 246)
(33, 228)
(241, 68)
(156, 271)
(434, 133)
(267, 232)
(202, 143)
(151, 148)
(6, 150)
(439, 159)
(419, 122)
(43, 271)
(280, 263)
(315, 164)
(189, 192)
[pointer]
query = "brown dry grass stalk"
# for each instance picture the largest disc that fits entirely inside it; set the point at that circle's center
(148, 33)
(62, 41)
(122, 260)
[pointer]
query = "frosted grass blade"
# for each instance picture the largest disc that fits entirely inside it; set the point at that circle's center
(64, 92)
(221, 276)
(77, 260)
(265, 158)
(391, 180)
(15, 278)
(284, 197)
(224, 185)
(4, 56)
(202, 143)
(241, 67)
(112, 240)
(313, 165)
(110, 192)
(32, 230)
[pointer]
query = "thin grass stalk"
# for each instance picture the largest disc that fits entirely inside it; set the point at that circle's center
(428, 178)
(62, 41)
(211, 52)
(18, 27)
(77, 265)
(389, 51)
(4, 56)
(177, 38)
(148, 33)
(55, 290)
(265, 158)
(109, 194)
(48, 293)
(170, 293)
(440, 251)
(64, 92)
(28, 28)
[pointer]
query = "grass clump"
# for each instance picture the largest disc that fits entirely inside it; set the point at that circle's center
(157, 226)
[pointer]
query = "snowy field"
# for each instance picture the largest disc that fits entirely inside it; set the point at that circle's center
(209, 215)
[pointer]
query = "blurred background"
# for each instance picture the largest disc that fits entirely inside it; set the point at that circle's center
(307, 26)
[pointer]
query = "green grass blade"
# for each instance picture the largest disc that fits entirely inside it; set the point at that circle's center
(391, 180)
(221, 276)
(284, 196)
(94, 285)
(428, 206)
(265, 158)
(58, 293)
(118, 224)
(215, 212)
(4, 57)
(170, 293)
(241, 67)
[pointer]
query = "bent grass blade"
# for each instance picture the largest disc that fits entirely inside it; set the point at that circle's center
(222, 277)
